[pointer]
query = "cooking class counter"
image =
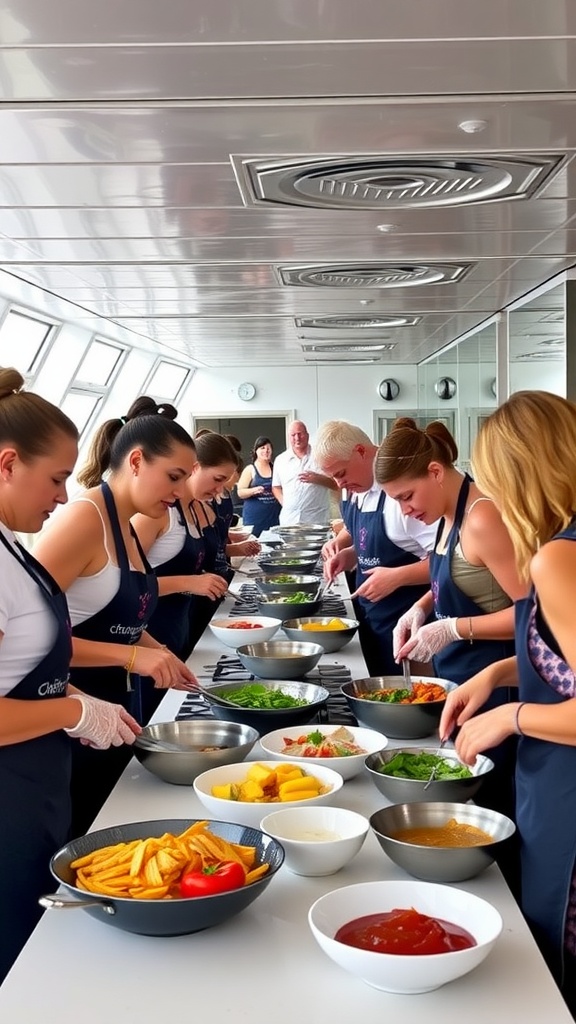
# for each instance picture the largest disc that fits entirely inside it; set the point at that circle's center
(265, 961)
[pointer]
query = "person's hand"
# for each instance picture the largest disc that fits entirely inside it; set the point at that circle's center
(258, 490)
(309, 477)
(485, 731)
(207, 584)
(464, 701)
(166, 669)
(380, 583)
(406, 627)
(103, 724)
(247, 548)
(429, 640)
(329, 549)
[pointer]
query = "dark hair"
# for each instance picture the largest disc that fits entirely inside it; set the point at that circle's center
(260, 440)
(408, 451)
(214, 450)
(234, 441)
(202, 431)
(147, 425)
(28, 421)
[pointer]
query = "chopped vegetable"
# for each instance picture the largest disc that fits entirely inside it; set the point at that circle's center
(421, 693)
(255, 695)
(339, 743)
(331, 625)
(419, 766)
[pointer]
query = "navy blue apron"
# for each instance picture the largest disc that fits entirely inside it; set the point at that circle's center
(202, 608)
(170, 622)
(545, 807)
(262, 511)
(121, 621)
(461, 660)
(224, 512)
(34, 785)
(378, 618)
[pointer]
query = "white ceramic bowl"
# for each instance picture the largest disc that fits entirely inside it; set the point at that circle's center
(252, 813)
(231, 635)
(405, 974)
(317, 840)
(273, 742)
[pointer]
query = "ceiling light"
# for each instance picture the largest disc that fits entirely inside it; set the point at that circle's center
(472, 127)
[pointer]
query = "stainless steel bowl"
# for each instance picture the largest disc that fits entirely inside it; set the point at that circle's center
(265, 721)
(402, 721)
(399, 790)
(440, 864)
(270, 584)
(289, 562)
(280, 659)
(174, 750)
(271, 605)
(330, 640)
(296, 528)
(303, 542)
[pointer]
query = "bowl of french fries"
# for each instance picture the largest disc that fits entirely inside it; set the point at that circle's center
(131, 876)
(246, 792)
(179, 751)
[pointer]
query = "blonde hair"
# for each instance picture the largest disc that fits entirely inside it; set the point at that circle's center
(408, 451)
(336, 439)
(525, 459)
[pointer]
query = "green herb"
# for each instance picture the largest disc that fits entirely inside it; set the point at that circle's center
(419, 766)
(316, 738)
(388, 697)
(255, 695)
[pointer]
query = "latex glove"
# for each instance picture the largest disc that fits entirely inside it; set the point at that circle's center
(406, 627)
(102, 724)
(430, 640)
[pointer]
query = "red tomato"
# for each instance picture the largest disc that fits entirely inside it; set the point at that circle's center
(212, 880)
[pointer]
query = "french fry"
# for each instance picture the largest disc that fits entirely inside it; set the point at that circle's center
(150, 869)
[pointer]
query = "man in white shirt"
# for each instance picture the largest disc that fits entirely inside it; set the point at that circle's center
(387, 550)
(297, 482)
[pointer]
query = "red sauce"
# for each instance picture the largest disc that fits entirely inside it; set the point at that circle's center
(244, 625)
(405, 933)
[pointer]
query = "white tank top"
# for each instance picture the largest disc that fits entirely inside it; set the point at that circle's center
(87, 595)
(171, 542)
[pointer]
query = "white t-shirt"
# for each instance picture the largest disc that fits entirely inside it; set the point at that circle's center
(28, 625)
(409, 534)
(302, 503)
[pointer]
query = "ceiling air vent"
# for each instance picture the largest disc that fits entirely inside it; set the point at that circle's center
(373, 182)
(373, 275)
(350, 347)
(354, 323)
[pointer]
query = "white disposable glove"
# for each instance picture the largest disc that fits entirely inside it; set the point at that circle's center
(406, 627)
(430, 640)
(103, 724)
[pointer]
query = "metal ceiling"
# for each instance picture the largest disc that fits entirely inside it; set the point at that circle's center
(150, 167)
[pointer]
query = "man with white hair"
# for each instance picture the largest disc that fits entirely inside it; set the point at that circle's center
(298, 484)
(387, 550)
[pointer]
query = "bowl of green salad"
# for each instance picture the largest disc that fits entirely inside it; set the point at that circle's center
(401, 775)
(283, 606)
(267, 704)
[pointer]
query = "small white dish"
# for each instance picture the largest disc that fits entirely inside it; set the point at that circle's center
(317, 840)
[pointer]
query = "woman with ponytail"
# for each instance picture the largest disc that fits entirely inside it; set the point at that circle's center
(94, 553)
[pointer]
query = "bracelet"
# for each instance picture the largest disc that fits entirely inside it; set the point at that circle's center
(470, 633)
(130, 663)
(517, 728)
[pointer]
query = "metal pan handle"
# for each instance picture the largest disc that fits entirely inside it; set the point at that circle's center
(58, 901)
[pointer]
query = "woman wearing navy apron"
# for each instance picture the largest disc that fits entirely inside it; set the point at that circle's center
(473, 576)
(523, 458)
(261, 510)
(91, 549)
(38, 448)
(389, 554)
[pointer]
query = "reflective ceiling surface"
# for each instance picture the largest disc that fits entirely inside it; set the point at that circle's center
(128, 133)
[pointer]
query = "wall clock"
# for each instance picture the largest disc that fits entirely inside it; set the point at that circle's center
(246, 392)
(389, 389)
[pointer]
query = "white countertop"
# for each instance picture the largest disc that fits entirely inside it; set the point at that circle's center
(264, 962)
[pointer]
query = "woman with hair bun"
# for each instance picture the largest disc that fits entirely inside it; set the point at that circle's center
(473, 574)
(524, 459)
(38, 706)
(93, 552)
(261, 509)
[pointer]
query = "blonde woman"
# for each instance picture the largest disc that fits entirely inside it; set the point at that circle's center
(524, 460)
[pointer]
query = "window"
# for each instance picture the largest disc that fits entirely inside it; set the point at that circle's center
(92, 381)
(23, 340)
(99, 363)
(81, 407)
(166, 381)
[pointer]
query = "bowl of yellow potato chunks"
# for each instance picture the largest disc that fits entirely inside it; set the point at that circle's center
(330, 632)
(245, 791)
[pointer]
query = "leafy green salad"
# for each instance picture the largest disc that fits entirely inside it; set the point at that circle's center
(419, 766)
(255, 695)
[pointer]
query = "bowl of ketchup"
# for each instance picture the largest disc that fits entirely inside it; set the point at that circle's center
(405, 937)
